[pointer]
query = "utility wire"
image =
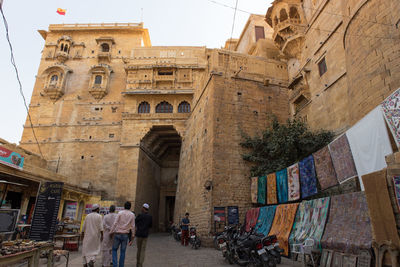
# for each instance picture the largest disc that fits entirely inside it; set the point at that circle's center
(18, 79)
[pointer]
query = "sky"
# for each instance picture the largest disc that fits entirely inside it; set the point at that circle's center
(172, 22)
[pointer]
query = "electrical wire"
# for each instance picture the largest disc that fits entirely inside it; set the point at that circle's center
(18, 79)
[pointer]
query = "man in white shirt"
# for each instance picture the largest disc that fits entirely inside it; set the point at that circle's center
(123, 225)
(106, 245)
(92, 234)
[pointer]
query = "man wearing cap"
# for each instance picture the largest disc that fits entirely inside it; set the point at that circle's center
(144, 222)
(106, 245)
(124, 223)
(92, 234)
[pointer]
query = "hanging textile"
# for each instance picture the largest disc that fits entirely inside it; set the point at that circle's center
(369, 143)
(391, 110)
(251, 218)
(265, 219)
(262, 181)
(282, 186)
(342, 158)
(254, 189)
(271, 189)
(396, 184)
(348, 228)
(293, 182)
(324, 168)
(283, 223)
(310, 221)
(308, 179)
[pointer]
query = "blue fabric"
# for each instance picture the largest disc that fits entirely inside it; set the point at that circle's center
(185, 221)
(308, 179)
(262, 185)
(265, 219)
(119, 239)
(282, 185)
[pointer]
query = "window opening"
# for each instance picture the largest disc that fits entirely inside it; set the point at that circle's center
(293, 13)
(105, 48)
(66, 48)
(184, 107)
(98, 79)
(144, 107)
(165, 72)
(322, 67)
(164, 107)
(283, 15)
(111, 135)
(62, 47)
(53, 79)
(260, 34)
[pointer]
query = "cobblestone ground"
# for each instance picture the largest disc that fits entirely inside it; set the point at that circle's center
(163, 250)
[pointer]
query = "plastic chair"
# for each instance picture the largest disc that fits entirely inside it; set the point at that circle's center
(304, 249)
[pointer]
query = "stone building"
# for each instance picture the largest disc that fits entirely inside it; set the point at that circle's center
(146, 124)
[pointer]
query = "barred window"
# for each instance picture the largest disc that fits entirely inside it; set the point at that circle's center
(144, 107)
(164, 107)
(184, 107)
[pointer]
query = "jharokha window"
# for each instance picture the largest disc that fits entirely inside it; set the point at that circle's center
(53, 79)
(98, 79)
(144, 107)
(164, 107)
(184, 107)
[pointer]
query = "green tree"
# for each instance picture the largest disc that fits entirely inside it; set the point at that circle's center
(282, 145)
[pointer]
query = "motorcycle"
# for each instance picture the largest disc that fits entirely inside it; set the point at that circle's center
(271, 245)
(194, 240)
(176, 232)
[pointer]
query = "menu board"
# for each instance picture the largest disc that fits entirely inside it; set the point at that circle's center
(8, 220)
(44, 219)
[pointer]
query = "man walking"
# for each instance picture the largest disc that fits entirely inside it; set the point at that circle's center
(144, 222)
(106, 245)
(185, 230)
(124, 223)
(92, 234)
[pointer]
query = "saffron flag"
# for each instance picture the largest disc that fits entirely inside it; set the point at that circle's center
(61, 11)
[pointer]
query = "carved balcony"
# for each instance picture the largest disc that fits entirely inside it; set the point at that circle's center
(104, 56)
(54, 92)
(98, 92)
(62, 56)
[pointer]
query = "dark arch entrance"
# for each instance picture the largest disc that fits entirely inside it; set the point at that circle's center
(158, 173)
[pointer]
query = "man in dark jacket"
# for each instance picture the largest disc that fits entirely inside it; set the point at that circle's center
(143, 222)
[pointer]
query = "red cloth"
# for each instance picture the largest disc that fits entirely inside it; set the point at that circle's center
(251, 218)
(185, 237)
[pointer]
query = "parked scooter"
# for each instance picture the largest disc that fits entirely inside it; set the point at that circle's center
(176, 232)
(194, 239)
(271, 245)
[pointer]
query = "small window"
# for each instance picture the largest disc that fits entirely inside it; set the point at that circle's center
(165, 72)
(62, 47)
(97, 109)
(66, 48)
(111, 135)
(105, 48)
(184, 107)
(144, 107)
(259, 33)
(164, 107)
(53, 79)
(322, 67)
(114, 109)
(283, 15)
(98, 79)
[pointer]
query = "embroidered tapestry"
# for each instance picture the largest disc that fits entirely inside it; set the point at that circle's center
(324, 168)
(391, 111)
(308, 178)
(342, 158)
(251, 218)
(262, 181)
(271, 189)
(283, 223)
(282, 185)
(254, 189)
(293, 182)
(348, 228)
(310, 221)
(265, 218)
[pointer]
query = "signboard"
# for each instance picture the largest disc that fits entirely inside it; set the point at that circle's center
(46, 210)
(219, 214)
(8, 220)
(233, 215)
(70, 210)
(11, 158)
(106, 210)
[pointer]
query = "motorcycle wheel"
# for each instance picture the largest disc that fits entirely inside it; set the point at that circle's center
(197, 243)
(216, 243)
(270, 263)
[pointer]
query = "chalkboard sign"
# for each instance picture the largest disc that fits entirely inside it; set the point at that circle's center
(8, 220)
(44, 219)
(233, 215)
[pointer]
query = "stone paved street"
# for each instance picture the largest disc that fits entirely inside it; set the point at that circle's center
(163, 250)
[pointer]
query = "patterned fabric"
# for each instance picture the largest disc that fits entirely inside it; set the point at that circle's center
(348, 228)
(310, 221)
(396, 183)
(265, 219)
(283, 223)
(251, 218)
(282, 186)
(293, 182)
(254, 189)
(307, 177)
(262, 181)
(342, 158)
(271, 189)
(324, 167)
(391, 110)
